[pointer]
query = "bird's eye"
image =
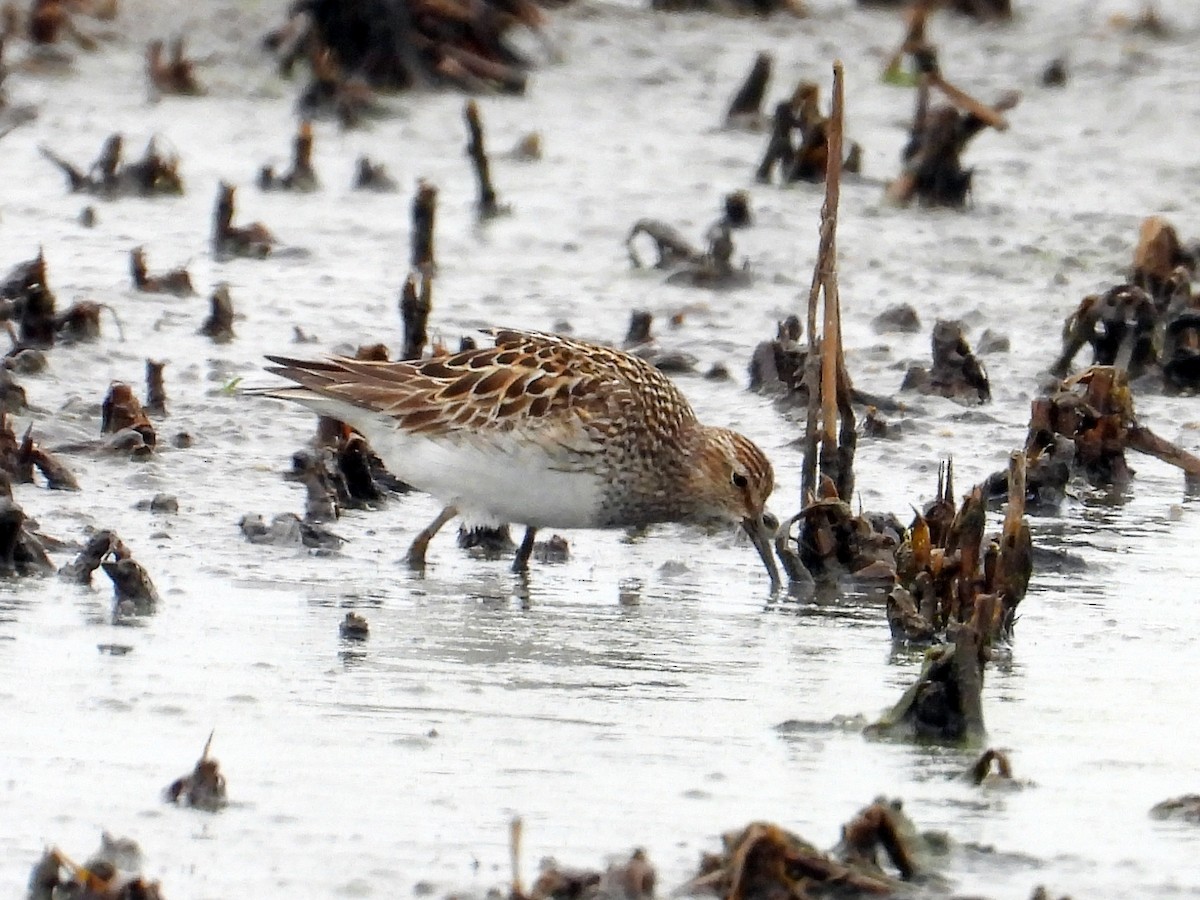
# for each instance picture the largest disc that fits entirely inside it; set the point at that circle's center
(740, 480)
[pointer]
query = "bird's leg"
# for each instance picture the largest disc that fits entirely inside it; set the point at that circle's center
(521, 561)
(416, 551)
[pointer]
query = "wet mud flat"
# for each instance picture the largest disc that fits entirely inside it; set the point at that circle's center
(648, 691)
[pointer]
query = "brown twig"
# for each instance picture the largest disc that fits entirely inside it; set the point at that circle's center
(424, 211)
(514, 849)
(914, 36)
(486, 206)
(964, 101)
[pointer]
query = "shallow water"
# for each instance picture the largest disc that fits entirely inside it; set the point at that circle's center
(614, 702)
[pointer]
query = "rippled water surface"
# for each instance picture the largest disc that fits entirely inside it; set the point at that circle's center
(617, 700)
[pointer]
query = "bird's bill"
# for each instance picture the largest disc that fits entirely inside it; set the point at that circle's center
(761, 536)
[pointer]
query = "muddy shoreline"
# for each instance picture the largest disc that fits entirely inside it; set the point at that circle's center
(646, 692)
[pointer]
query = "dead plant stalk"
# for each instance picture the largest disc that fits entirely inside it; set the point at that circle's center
(823, 403)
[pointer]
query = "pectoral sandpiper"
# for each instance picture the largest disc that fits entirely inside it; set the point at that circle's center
(543, 431)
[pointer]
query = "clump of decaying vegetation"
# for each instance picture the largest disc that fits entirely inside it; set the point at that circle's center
(301, 177)
(1148, 326)
(1088, 422)
(134, 593)
(393, 45)
(799, 143)
(689, 266)
(253, 241)
(154, 175)
(111, 873)
(933, 172)
(175, 281)
(764, 860)
(956, 372)
(174, 74)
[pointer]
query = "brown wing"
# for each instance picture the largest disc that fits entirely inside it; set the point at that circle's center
(528, 380)
(638, 390)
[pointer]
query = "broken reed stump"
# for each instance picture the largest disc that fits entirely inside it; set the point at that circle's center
(807, 159)
(156, 389)
(49, 21)
(20, 458)
(639, 329)
(640, 340)
(981, 772)
(23, 276)
(779, 145)
(735, 207)
(810, 159)
(486, 206)
(917, 18)
(415, 305)
(1179, 356)
(369, 176)
(122, 415)
(343, 472)
(21, 553)
(712, 268)
(26, 298)
(301, 178)
(13, 398)
(354, 628)
(219, 324)
(98, 548)
(288, 530)
(175, 75)
(956, 373)
(777, 367)
(35, 312)
(333, 93)
(134, 593)
(176, 281)
(424, 211)
(745, 109)
(202, 788)
(825, 380)
(154, 175)
(945, 704)
(1157, 259)
(252, 241)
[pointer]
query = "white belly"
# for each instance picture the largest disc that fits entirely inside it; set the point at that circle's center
(490, 482)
